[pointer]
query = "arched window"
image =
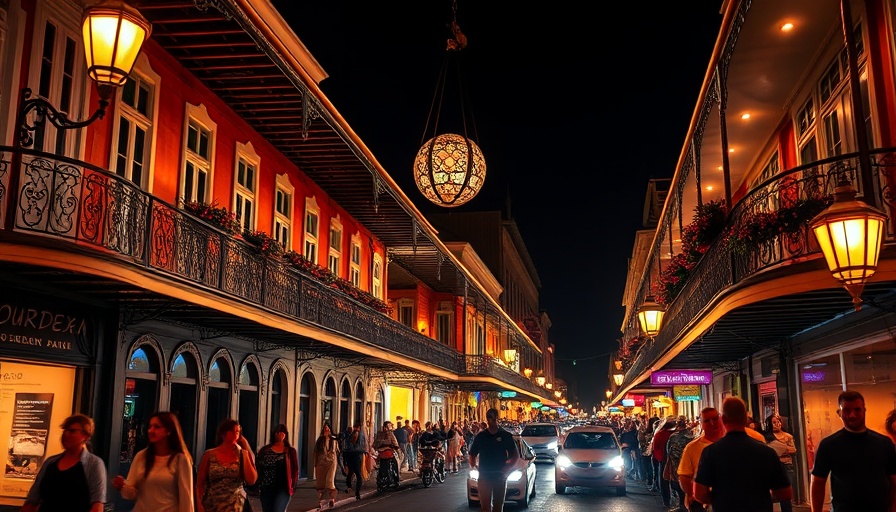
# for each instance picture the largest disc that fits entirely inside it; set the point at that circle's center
(184, 390)
(248, 402)
(303, 445)
(141, 399)
(344, 404)
(329, 401)
(359, 403)
(218, 408)
(279, 397)
(379, 414)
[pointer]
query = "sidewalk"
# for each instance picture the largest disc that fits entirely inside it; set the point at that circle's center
(304, 499)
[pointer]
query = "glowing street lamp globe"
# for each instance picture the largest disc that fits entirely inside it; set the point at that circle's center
(449, 169)
(113, 32)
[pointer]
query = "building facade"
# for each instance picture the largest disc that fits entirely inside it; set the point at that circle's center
(219, 243)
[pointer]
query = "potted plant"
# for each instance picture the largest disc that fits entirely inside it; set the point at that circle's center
(265, 243)
(215, 215)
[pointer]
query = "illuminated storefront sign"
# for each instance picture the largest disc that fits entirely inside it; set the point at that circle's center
(677, 377)
(814, 376)
(508, 394)
(688, 393)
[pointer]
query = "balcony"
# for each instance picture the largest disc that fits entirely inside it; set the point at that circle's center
(78, 209)
(740, 298)
(487, 366)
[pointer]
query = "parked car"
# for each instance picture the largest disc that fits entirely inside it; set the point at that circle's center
(520, 482)
(543, 438)
(590, 456)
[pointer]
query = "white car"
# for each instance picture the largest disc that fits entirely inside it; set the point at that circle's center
(520, 482)
(590, 456)
(543, 438)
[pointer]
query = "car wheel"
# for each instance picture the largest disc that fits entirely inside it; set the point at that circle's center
(524, 503)
(560, 489)
(472, 504)
(620, 491)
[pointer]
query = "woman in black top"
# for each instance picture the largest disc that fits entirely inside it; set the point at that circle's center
(278, 471)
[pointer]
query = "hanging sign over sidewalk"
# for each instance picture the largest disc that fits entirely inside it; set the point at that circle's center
(679, 377)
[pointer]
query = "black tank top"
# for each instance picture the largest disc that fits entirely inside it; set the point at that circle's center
(65, 491)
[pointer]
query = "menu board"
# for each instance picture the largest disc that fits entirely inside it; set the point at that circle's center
(34, 400)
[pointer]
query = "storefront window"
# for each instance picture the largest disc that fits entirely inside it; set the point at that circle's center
(871, 370)
(821, 385)
(218, 408)
(248, 402)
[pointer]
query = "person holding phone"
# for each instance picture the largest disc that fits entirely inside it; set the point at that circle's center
(224, 471)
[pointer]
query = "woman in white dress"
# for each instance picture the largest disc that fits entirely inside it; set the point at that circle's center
(161, 476)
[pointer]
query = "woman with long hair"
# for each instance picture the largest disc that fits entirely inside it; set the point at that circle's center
(224, 470)
(278, 471)
(785, 447)
(325, 452)
(74, 480)
(161, 476)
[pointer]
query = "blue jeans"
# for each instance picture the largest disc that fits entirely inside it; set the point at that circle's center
(791, 475)
(412, 456)
(274, 500)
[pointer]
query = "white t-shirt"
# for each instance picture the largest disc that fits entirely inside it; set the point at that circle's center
(165, 489)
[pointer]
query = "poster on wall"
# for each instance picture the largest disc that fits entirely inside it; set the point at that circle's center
(28, 434)
(34, 400)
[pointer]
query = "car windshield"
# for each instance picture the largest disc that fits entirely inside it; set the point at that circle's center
(540, 430)
(590, 440)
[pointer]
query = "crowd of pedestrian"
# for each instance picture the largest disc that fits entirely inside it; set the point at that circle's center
(729, 462)
(725, 460)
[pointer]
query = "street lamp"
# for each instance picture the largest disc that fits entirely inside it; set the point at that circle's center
(113, 34)
(558, 393)
(528, 373)
(618, 378)
(609, 394)
(850, 233)
(509, 355)
(549, 385)
(650, 316)
(540, 380)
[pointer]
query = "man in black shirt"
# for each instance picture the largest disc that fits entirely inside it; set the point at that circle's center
(860, 462)
(497, 453)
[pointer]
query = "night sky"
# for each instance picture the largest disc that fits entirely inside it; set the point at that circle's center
(575, 110)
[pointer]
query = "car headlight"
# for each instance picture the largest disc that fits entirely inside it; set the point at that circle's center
(515, 476)
(564, 462)
(616, 463)
(552, 445)
(474, 474)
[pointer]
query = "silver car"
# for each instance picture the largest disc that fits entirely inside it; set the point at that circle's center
(520, 482)
(543, 438)
(590, 456)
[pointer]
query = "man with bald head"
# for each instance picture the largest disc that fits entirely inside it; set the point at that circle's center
(738, 473)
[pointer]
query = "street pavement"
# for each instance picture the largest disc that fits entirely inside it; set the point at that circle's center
(305, 497)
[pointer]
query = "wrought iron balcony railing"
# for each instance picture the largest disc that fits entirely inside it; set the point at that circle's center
(488, 366)
(724, 265)
(79, 204)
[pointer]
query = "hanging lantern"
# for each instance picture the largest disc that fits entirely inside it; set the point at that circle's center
(449, 169)
(509, 355)
(527, 372)
(540, 380)
(850, 234)
(618, 378)
(114, 32)
(650, 317)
